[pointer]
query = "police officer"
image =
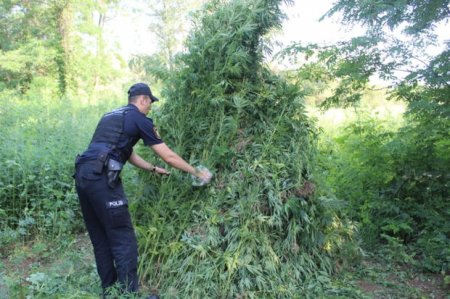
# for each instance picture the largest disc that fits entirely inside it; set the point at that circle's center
(104, 204)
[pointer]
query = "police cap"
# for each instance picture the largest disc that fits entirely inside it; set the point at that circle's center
(141, 89)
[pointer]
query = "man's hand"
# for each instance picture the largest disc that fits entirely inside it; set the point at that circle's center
(204, 174)
(161, 171)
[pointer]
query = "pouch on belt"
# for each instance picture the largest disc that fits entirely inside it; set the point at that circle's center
(113, 170)
(100, 163)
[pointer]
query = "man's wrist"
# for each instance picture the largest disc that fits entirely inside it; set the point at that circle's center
(196, 171)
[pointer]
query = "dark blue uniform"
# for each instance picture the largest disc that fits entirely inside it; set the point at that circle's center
(105, 206)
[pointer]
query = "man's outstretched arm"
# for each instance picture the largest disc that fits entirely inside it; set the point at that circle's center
(139, 162)
(171, 158)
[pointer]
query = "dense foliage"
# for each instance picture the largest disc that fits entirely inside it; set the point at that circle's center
(256, 232)
(396, 182)
(40, 140)
(397, 195)
(46, 74)
(269, 226)
(56, 46)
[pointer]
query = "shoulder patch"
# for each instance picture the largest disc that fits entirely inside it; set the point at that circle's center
(155, 131)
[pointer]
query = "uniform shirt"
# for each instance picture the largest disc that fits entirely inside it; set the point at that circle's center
(141, 127)
(136, 126)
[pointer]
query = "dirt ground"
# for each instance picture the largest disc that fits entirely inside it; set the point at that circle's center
(374, 278)
(401, 282)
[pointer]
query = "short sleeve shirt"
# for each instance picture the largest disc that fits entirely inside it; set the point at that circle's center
(138, 126)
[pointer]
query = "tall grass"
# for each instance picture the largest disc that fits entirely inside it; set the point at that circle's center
(41, 135)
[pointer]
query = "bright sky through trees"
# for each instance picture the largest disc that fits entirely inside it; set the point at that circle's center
(303, 24)
(129, 28)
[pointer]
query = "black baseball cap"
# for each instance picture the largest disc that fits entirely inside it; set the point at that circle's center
(139, 89)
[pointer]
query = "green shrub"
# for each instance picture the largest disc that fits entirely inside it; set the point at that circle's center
(396, 184)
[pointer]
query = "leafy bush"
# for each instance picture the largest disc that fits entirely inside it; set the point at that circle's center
(396, 183)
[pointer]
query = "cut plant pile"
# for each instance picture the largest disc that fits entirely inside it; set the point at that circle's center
(259, 230)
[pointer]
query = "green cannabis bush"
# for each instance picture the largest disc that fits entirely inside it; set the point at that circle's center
(256, 231)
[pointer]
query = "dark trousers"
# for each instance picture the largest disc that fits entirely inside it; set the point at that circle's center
(108, 221)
